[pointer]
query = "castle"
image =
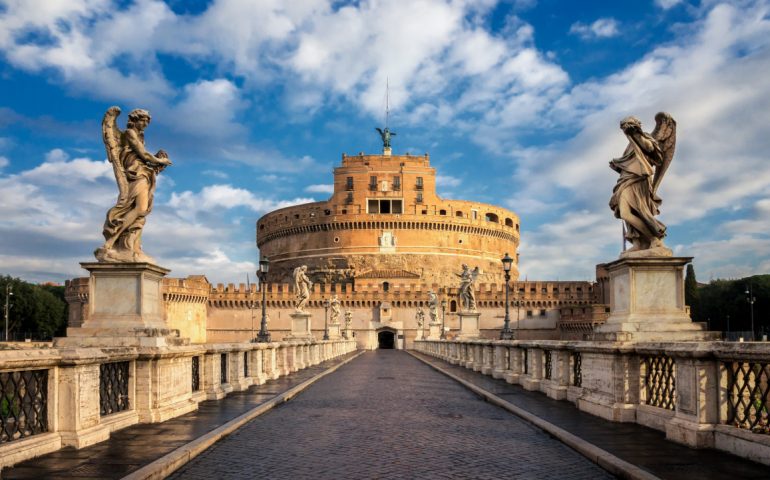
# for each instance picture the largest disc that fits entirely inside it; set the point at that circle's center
(380, 243)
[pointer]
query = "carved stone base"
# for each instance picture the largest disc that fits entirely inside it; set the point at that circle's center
(469, 325)
(114, 255)
(647, 302)
(125, 308)
(300, 327)
(434, 331)
(334, 331)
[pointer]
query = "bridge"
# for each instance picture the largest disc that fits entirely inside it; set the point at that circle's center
(448, 409)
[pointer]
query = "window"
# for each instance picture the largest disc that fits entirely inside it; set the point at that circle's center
(349, 184)
(419, 183)
(542, 312)
(508, 222)
(419, 199)
(453, 306)
(385, 206)
(475, 214)
(385, 288)
(396, 183)
(458, 213)
(529, 313)
(373, 183)
(491, 217)
(442, 212)
(349, 199)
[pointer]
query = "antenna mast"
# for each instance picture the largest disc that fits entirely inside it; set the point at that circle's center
(387, 100)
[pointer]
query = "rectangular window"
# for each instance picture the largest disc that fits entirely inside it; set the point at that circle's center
(373, 206)
(542, 312)
(396, 183)
(475, 214)
(397, 206)
(419, 183)
(349, 184)
(419, 197)
(384, 206)
(529, 313)
(373, 183)
(350, 198)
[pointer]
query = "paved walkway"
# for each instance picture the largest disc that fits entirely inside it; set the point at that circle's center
(134, 447)
(638, 445)
(387, 415)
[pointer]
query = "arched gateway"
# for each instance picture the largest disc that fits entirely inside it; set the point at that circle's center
(386, 338)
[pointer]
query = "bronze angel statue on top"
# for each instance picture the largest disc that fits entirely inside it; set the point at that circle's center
(635, 199)
(135, 171)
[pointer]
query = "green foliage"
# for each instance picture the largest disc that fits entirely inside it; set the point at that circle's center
(722, 298)
(39, 311)
(691, 294)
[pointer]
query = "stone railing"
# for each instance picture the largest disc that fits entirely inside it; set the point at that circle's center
(52, 398)
(702, 394)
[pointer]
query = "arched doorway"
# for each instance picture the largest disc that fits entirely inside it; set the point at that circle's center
(386, 339)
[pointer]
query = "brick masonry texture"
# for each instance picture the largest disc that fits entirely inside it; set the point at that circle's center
(386, 415)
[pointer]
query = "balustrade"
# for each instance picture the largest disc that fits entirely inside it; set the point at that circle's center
(100, 390)
(703, 394)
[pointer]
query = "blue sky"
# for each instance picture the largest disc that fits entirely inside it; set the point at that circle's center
(517, 103)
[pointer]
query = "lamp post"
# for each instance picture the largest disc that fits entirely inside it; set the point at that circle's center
(443, 319)
(750, 298)
(264, 267)
(326, 319)
(8, 294)
(506, 333)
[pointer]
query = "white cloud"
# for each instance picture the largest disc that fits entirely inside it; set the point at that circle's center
(667, 4)
(447, 181)
(214, 197)
(4, 162)
(601, 28)
(324, 188)
(215, 174)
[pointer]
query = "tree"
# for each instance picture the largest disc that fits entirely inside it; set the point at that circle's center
(691, 294)
(36, 311)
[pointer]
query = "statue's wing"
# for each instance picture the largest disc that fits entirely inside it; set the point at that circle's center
(379, 130)
(475, 273)
(665, 135)
(111, 137)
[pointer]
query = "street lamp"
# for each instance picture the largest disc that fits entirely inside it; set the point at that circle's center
(326, 319)
(750, 298)
(264, 267)
(506, 333)
(8, 294)
(443, 319)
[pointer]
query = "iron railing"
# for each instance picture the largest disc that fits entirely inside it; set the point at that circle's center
(660, 381)
(223, 368)
(577, 366)
(23, 404)
(548, 367)
(196, 374)
(113, 387)
(748, 389)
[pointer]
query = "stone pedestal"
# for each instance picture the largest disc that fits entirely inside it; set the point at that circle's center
(469, 325)
(647, 302)
(434, 331)
(125, 308)
(334, 332)
(420, 334)
(300, 326)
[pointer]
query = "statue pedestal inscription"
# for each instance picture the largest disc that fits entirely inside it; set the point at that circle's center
(125, 308)
(469, 325)
(300, 326)
(434, 331)
(647, 302)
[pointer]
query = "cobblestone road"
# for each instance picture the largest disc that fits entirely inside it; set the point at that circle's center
(386, 415)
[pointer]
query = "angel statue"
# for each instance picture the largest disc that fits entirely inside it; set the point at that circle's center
(433, 307)
(335, 315)
(420, 317)
(467, 293)
(135, 170)
(641, 168)
(302, 286)
(385, 135)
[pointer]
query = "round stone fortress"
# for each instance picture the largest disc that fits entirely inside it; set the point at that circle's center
(384, 223)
